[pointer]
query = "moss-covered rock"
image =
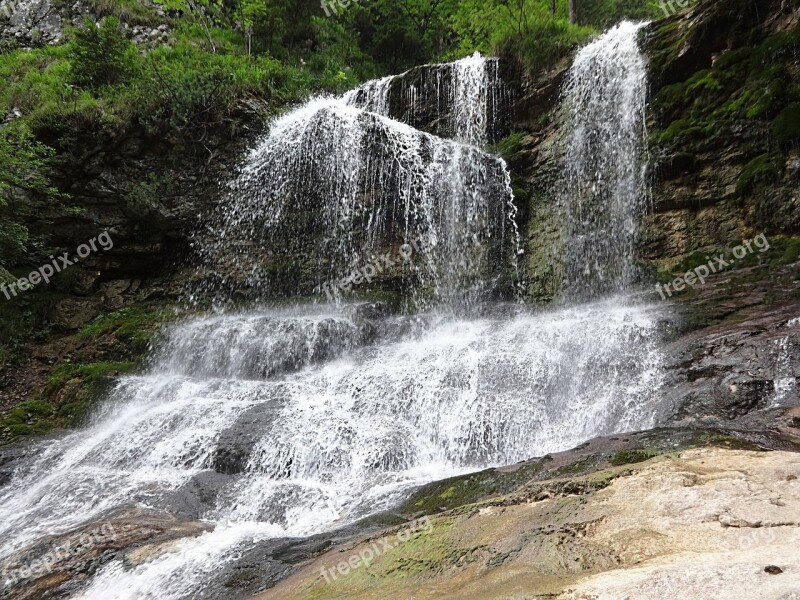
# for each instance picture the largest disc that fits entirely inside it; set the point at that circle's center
(67, 400)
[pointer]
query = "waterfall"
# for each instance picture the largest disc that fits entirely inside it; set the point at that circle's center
(302, 451)
(272, 422)
(465, 100)
(604, 189)
(343, 187)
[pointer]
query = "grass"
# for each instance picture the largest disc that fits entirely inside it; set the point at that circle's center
(185, 83)
(132, 323)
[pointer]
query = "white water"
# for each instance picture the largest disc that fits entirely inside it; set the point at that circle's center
(605, 189)
(380, 184)
(346, 438)
(340, 412)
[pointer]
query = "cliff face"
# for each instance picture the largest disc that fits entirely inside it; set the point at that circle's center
(724, 170)
(725, 127)
(149, 194)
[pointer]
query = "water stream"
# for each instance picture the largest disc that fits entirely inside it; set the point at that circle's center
(301, 419)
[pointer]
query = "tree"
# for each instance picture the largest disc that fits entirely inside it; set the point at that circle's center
(23, 164)
(102, 55)
(573, 12)
(516, 9)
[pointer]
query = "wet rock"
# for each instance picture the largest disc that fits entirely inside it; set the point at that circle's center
(60, 566)
(196, 497)
(236, 443)
(646, 528)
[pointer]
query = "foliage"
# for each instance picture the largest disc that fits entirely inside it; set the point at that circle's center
(23, 163)
(544, 42)
(102, 55)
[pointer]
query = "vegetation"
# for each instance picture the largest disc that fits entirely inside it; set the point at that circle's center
(66, 401)
(626, 457)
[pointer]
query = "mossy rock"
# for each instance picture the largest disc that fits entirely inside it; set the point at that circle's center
(136, 322)
(27, 418)
(762, 169)
(68, 398)
(627, 457)
(786, 126)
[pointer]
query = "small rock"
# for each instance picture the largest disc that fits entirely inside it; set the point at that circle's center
(773, 570)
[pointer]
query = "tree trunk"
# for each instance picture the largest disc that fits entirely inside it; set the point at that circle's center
(573, 12)
(553, 8)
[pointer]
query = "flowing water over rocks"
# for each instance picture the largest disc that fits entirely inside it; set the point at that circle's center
(465, 100)
(605, 191)
(289, 422)
(341, 188)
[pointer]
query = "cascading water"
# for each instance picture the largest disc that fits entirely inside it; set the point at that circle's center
(604, 190)
(342, 187)
(312, 417)
(465, 100)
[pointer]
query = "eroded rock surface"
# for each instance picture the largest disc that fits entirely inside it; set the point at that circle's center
(704, 523)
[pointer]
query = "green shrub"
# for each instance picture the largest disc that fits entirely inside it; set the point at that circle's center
(102, 55)
(545, 41)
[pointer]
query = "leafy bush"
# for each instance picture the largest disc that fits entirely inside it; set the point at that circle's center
(545, 41)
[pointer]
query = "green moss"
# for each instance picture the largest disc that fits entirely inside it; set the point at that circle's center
(134, 327)
(748, 88)
(75, 388)
(786, 126)
(509, 147)
(468, 489)
(582, 465)
(695, 259)
(66, 401)
(91, 372)
(27, 418)
(626, 457)
(761, 169)
(791, 251)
